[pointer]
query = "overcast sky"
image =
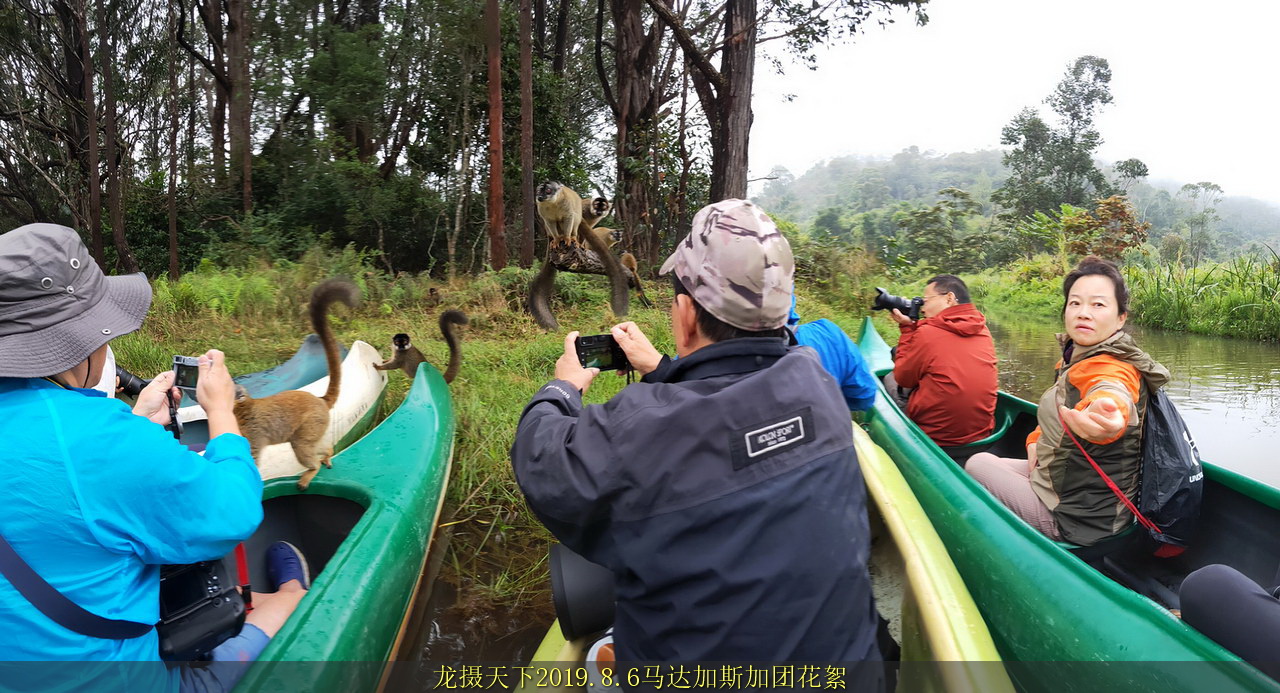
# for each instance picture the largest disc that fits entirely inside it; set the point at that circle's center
(1195, 86)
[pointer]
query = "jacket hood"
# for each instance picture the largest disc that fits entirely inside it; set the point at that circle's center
(1122, 346)
(963, 319)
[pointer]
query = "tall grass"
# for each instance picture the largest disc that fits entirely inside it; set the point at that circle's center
(1236, 298)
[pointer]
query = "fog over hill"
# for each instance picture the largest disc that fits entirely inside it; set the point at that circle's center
(858, 184)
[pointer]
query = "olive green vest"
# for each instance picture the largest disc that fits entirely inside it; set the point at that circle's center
(1086, 510)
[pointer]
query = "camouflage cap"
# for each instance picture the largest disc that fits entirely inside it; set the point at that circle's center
(736, 265)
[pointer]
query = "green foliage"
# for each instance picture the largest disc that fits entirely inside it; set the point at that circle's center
(1030, 286)
(936, 237)
(1051, 166)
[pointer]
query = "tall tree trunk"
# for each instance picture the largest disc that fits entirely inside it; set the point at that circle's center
(562, 38)
(124, 257)
(729, 144)
(91, 131)
(171, 199)
(211, 14)
(77, 124)
(635, 62)
(238, 30)
(686, 164)
(540, 28)
(526, 136)
(497, 221)
(464, 172)
(725, 93)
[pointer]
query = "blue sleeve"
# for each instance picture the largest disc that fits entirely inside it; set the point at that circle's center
(842, 359)
(159, 500)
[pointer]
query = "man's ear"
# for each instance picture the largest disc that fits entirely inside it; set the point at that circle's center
(686, 321)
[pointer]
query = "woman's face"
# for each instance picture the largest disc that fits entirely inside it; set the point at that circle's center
(1092, 314)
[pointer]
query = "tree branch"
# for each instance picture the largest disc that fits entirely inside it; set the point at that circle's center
(182, 40)
(604, 79)
(691, 52)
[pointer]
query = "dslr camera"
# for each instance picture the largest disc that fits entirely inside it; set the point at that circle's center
(887, 301)
(601, 351)
(200, 608)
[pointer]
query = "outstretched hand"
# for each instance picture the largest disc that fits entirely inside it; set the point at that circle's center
(1100, 422)
(568, 368)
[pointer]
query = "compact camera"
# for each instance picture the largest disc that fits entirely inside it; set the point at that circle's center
(601, 351)
(186, 373)
(200, 608)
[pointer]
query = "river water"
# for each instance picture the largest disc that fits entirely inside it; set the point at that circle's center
(1227, 390)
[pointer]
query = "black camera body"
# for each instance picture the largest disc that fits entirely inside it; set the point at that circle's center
(887, 301)
(200, 608)
(186, 373)
(601, 351)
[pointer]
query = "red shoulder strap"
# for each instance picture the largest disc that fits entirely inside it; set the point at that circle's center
(1142, 520)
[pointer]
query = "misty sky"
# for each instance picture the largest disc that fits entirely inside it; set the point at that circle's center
(1195, 86)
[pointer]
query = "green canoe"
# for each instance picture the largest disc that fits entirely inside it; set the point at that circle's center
(365, 526)
(917, 588)
(1052, 610)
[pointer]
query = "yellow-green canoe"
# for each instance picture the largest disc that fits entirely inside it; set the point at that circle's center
(917, 589)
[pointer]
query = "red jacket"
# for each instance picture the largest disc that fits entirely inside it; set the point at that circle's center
(951, 361)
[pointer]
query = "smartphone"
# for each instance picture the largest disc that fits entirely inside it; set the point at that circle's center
(186, 373)
(601, 351)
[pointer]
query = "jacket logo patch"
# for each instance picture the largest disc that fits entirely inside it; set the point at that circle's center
(778, 435)
(757, 442)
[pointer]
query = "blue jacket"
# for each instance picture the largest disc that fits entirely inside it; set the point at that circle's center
(840, 356)
(95, 499)
(724, 494)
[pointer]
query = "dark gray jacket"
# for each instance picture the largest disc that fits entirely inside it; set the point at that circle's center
(724, 494)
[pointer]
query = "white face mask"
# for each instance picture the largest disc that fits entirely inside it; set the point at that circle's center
(108, 382)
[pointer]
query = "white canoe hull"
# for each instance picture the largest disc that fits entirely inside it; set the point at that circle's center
(362, 384)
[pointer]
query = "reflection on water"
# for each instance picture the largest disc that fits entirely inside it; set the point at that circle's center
(1227, 390)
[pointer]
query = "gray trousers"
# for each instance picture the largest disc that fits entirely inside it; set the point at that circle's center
(1009, 480)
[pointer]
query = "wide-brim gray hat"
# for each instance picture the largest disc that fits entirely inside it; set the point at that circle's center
(56, 305)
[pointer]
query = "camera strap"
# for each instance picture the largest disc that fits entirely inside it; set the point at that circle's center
(242, 573)
(54, 604)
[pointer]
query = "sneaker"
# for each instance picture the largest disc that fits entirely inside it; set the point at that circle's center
(284, 563)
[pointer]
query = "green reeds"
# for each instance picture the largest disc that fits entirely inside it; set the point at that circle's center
(1236, 298)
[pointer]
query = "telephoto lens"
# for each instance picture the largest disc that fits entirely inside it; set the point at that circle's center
(887, 301)
(130, 384)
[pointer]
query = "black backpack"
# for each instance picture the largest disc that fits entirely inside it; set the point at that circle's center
(1172, 478)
